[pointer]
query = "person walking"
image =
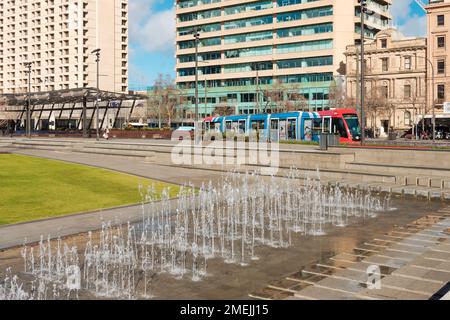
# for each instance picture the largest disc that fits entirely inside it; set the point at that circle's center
(106, 134)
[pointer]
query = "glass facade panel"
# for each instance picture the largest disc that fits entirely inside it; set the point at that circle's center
(305, 46)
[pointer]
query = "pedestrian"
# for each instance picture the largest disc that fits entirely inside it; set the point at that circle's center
(106, 134)
(11, 126)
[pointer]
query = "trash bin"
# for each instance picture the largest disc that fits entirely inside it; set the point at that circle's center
(323, 143)
(334, 140)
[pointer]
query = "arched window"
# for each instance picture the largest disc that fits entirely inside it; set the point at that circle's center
(408, 118)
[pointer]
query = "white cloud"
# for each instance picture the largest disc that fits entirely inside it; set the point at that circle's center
(152, 30)
(415, 26)
(400, 9)
(408, 22)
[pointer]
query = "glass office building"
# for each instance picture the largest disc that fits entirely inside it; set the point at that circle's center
(249, 48)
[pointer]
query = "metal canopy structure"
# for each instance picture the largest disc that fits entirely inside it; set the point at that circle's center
(67, 96)
(71, 109)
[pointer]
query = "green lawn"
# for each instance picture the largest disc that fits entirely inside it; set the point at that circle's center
(33, 188)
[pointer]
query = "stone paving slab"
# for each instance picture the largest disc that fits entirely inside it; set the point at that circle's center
(391, 294)
(412, 271)
(437, 255)
(393, 263)
(398, 255)
(431, 264)
(324, 293)
(412, 285)
(298, 298)
(347, 282)
(414, 249)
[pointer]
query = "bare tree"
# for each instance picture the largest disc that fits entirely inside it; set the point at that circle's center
(338, 98)
(164, 100)
(284, 98)
(418, 106)
(8, 116)
(375, 104)
(223, 109)
(389, 112)
(6, 112)
(274, 97)
(296, 102)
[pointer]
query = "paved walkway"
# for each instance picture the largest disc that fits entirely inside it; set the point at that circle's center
(15, 235)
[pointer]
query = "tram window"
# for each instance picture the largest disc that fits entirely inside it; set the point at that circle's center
(258, 125)
(242, 126)
(317, 127)
(326, 124)
(339, 127)
(353, 124)
(292, 128)
(228, 126)
(274, 124)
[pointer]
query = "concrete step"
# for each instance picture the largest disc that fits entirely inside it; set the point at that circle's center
(400, 170)
(5, 145)
(147, 155)
(398, 156)
(41, 146)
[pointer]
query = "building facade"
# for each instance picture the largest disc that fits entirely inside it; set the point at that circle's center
(438, 20)
(57, 37)
(395, 81)
(250, 47)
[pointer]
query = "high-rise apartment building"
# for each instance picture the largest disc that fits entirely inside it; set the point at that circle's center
(57, 37)
(250, 47)
(438, 16)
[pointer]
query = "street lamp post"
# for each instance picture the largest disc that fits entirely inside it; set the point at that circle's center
(257, 66)
(257, 89)
(362, 88)
(197, 40)
(28, 115)
(206, 97)
(432, 99)
(206, 91)
(97, 60)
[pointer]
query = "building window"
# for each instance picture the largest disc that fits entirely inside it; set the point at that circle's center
(384, 92)
(248, 97)
(441, 92)
(383, 43)
(408, 121)
(441, 66)
(441, 42)
(385, 64)
(407, 91)
(440, 20)
(407, 63)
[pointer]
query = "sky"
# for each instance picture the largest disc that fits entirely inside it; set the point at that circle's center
(152, 36)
